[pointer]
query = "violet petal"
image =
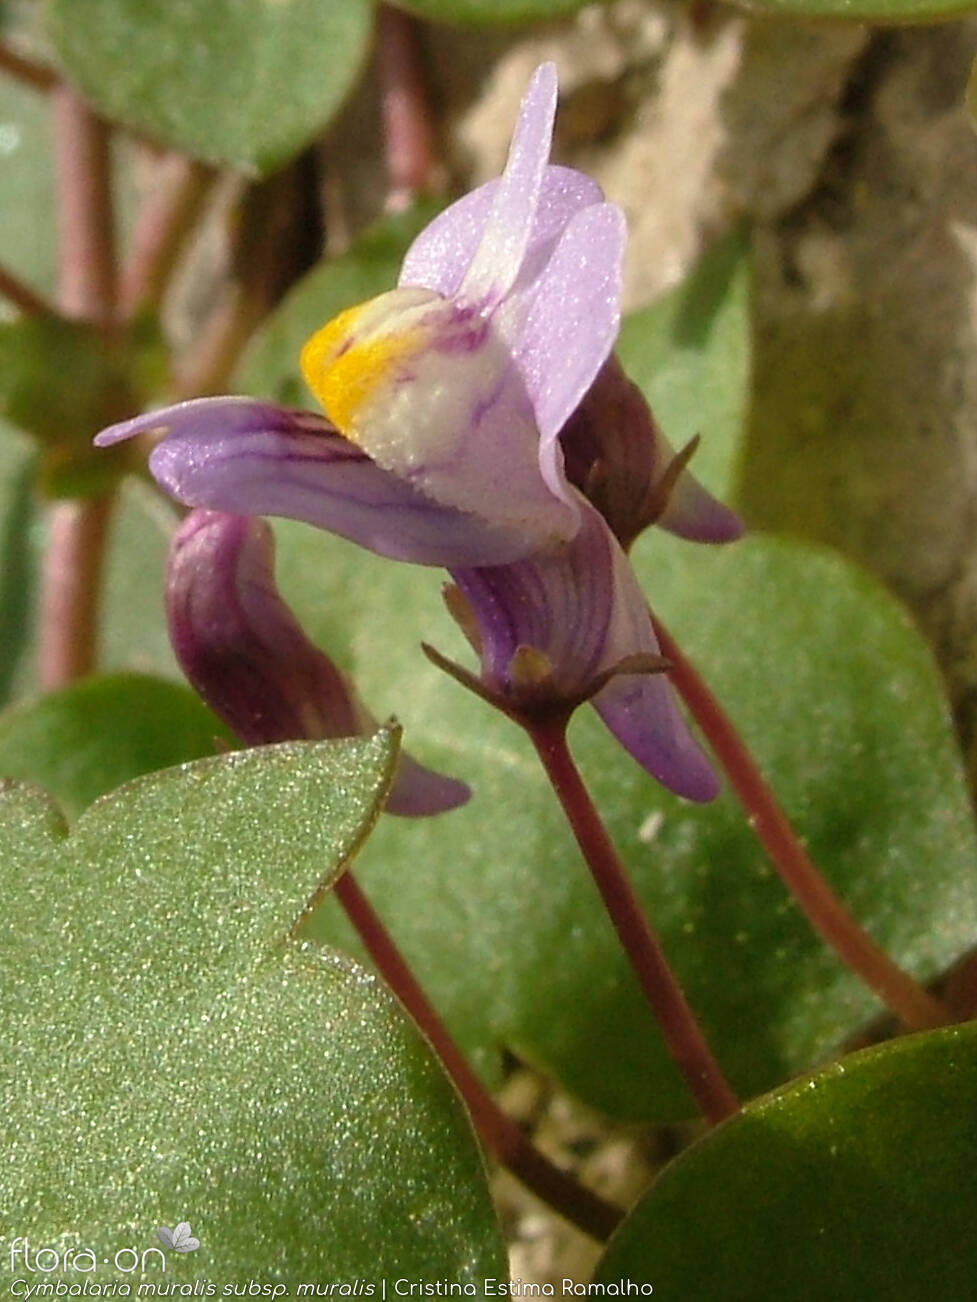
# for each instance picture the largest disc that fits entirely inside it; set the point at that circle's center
(640, 710)
(581, 606)
(558, 601)
(243, 651)
(499, 256)
(694, 514)
(441, 254)
(418, 792)
(571, 325)
(237, 642)
(254, 458)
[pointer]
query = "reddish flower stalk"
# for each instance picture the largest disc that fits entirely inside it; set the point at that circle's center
(86, 250)
(161, 228)
(26, 70)
(21, 295)
(913, 1005)
(70, 578)
(71, 572)
(407, 127)
(500, 1135)
(683, 1036)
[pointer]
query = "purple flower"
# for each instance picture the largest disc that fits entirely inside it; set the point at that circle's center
(446, 399)
(243, 651)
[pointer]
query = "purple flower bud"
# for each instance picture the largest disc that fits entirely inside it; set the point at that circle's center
(245, 654)
(624, 465)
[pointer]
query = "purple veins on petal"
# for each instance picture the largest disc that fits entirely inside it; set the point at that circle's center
(559, 602)
(580, 608)
(245, 654)
(255, 458)
(428, 390)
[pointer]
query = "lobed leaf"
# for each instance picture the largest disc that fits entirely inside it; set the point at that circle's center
(169, 1056)
(838, 697)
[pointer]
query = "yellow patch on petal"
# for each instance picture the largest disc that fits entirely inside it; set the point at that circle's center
(431, 394)
(346, 361)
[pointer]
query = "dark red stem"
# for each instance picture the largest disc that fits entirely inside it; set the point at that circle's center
(407, 124)
(913, 1005)
(22, 296)
(163, 223)
(683, 1036)
(500, 1135)
(75, 549)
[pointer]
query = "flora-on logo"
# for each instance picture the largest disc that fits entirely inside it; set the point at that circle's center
(180, 1239)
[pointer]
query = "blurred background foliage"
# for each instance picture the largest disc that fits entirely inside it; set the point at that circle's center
(801, 287)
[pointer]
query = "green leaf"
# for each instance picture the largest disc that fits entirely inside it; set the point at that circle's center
(270, 367)
(492, 903)
(169, 1055)
(838, 697)
(689, 353)
(491, 12)
(62, 382)
(85, 740)
(242, 82)
(28, 237)
(857, 1183)
(871, 11)
(18, 470)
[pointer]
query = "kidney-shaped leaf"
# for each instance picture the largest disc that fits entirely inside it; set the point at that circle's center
(838, 697)
(171, 1059)
(834, 690)
(86, 739)
(859, 1182)
(242, 82)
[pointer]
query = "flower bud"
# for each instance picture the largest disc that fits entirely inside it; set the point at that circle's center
(615, 453)
(245, 654)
